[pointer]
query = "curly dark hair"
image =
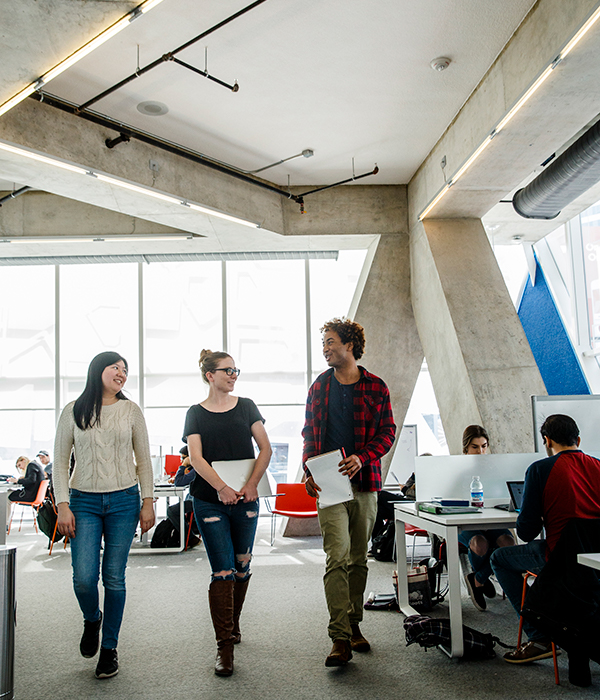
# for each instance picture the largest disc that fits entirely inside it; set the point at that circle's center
(349, 332)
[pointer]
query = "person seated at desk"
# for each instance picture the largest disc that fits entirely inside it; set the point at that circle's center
(481, 543)
(564, 486)
(184, 477)
(33, 475)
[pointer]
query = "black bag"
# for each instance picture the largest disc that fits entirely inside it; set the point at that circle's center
(165, 535)
(46, 520)
(431, 632)
(382, 546)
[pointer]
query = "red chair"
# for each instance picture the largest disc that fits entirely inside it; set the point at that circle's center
(415, 532)
(526, 577)
(172, 464)
(39, 499)
(293, 501)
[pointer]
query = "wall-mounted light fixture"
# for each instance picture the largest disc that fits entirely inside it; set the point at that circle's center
(123, 184)
(537, 83)
(79, 54)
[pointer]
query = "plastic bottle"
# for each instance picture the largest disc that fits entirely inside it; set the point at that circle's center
(476, 492)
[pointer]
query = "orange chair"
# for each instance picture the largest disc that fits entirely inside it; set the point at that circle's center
(415, 532)
(39, 499)
(172, 464)
(526, 576)
(293, 501)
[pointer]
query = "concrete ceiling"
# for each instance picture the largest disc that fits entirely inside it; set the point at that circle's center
(347, 78)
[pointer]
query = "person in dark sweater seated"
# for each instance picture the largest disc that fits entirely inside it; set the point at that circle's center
(184, 477)
(33, 477)
(558, 489)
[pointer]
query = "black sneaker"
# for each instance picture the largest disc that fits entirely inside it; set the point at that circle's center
(90, 639)
(108, 663)
(489, 590)
(475, 592)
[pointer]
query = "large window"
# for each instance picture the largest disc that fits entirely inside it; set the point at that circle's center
(159, 317)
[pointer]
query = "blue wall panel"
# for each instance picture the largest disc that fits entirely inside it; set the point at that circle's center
(549, 340)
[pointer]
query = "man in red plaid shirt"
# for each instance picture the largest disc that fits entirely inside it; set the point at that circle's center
(347, 409)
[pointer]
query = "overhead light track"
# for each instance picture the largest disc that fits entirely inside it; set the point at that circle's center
(14, 194)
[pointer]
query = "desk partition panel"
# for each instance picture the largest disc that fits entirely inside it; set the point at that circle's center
(450, 476)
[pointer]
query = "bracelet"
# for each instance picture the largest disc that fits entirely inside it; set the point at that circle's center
(222, 487)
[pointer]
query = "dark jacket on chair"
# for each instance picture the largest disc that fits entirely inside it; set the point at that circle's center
(34, 475)
(564, 601)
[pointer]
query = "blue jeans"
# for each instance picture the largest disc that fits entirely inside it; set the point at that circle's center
(115, 516)
(481, 565)
(228, 535)
(509, 565)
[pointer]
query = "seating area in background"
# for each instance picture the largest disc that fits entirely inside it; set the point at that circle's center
(39, 499)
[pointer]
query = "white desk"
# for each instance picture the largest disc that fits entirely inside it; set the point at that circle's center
(448, 527)
(5, 489)
(591, 560)
(165, 492)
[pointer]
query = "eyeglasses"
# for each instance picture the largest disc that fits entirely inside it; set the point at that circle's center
(229, 371)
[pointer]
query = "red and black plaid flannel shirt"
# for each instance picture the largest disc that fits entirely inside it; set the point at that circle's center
(374, 427)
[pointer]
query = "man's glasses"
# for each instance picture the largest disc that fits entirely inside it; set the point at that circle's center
(229, 371)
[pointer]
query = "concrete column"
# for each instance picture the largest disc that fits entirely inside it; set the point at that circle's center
(393, 349)
(481, 365)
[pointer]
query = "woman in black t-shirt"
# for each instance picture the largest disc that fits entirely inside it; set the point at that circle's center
(222, 428)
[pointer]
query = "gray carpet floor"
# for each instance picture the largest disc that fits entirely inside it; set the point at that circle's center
(166, 647)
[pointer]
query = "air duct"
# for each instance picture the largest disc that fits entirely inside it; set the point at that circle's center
(565, 179)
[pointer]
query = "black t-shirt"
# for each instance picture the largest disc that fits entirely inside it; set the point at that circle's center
(340, 418)
(224, 436)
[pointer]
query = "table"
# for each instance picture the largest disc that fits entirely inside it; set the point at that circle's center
(166, 492)
(591, 560)
(448, 527)
(4, 491)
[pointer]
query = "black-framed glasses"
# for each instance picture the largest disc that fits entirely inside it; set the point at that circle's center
(229, 371)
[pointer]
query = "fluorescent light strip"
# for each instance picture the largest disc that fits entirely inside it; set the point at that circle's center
(42, 159)
(79, 54)
(101, 238)
(123, 184)
(511, 113)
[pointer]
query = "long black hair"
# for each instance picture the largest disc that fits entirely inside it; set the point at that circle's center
(86, 410)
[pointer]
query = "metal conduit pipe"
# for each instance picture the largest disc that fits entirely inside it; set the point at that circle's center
(152, 140)
(14, 194)
(170, 57)
(565, 179)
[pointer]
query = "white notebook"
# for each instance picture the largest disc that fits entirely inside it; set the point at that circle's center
(335, 486)
(236, 472)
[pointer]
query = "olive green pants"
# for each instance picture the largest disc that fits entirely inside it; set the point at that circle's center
(346, 529)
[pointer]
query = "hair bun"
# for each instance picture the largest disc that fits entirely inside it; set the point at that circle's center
(203, 355)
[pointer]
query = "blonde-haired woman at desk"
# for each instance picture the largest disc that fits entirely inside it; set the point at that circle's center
(481, 543)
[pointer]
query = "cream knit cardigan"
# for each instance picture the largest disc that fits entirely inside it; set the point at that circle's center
(104, 456)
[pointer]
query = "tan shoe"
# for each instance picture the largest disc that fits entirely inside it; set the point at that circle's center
(341, 653)
(357, 641)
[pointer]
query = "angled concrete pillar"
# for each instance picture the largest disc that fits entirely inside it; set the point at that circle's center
(480, 362)
(393, 350)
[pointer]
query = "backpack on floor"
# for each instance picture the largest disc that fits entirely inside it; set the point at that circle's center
(46, 520)
(382, 546)
(165, 535)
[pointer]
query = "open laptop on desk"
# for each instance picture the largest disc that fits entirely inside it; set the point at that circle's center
(515, 489)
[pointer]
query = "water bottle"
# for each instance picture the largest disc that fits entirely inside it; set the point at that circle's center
(476, 492)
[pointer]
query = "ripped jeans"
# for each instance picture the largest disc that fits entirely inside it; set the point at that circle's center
(228, 535)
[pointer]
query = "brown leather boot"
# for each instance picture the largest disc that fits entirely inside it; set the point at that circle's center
(220, 599)
(340, 654)
(239, 595)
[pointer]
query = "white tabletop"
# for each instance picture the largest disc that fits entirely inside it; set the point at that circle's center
(488, 516)
(591, 560)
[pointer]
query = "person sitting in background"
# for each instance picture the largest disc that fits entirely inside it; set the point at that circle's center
(481, 543)
(33, 475)
(562, 487)
(44, 459)
(184, 477)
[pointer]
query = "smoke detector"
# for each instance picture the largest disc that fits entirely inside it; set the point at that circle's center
(440, 64)
(152, 109)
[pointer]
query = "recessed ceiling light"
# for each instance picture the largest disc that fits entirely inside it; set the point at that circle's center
(152, 109)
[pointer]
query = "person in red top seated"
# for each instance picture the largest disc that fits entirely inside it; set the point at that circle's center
(558, 489)
(347, 409)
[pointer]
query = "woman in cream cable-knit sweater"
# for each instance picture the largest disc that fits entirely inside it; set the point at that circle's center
(105, 430)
